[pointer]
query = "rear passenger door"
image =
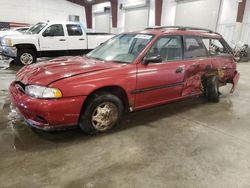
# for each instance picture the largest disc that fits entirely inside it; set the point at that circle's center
(77, 41)
(197, 61)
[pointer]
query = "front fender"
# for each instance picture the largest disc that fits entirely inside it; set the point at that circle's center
(86, 84)
(19, 40)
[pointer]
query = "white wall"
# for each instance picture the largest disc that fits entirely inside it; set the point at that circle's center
(229, 11)
(121, 14)
(33, 11)
(227, 20)
(168, 13)
(245, 35)
(151, 21)
(198, 13)
(99, 8)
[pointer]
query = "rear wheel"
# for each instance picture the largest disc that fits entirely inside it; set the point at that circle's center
(25, 57)
(102, 113)
(212, 89)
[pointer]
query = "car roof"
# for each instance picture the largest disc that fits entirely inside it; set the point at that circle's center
(179, 30)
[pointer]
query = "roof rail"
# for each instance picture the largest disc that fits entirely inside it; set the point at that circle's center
(181, 28)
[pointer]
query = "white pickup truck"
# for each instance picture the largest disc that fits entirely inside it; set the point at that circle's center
(50, 39)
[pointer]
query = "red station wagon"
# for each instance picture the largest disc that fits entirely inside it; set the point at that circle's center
(130, 72)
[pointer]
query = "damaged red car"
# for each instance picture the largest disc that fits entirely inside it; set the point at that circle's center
(130, 72)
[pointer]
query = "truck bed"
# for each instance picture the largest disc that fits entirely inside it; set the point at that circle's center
(95, 39)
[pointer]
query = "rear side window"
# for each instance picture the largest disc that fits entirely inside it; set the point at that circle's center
(215, 47)
(194, 47)
(74, 29)
(169, 48)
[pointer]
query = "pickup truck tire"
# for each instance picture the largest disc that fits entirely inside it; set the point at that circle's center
(102, 112)
(212, 89)
(25, 57)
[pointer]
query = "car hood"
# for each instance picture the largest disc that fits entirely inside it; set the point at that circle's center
(45, 73)
(5, 33)
(20, 36)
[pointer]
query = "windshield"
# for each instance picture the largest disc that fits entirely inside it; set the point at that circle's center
(36, 28)
(123, 48)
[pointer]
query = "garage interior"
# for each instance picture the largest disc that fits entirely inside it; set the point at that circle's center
(189, 144)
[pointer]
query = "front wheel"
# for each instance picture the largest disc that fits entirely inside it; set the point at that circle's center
(102, 112)
(25, 57)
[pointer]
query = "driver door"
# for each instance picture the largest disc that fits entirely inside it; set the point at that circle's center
(53, 40)
(163, 81)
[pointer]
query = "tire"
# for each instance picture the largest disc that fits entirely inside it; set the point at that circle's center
(245, 58)
(25, 57)
(96, 117)
(212, 89)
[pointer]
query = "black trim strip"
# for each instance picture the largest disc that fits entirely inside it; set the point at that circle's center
(136, 91)
(100, 34)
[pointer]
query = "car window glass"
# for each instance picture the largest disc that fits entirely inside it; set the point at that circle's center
(214, 47)
(74, 30)
(194, 47)
(124, 48)
(169, 48)
(206, 43)
(54, 30)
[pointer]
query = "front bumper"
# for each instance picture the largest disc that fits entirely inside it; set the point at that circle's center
(8, 51)
(235, 81)
(47, 114)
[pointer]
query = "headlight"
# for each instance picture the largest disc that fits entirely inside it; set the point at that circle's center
(43, 92)
(6, 42)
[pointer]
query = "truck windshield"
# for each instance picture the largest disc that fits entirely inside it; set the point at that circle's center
(36, 28)
(123, 48)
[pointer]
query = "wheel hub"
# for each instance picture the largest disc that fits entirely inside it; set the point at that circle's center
(26, 58)
(104, 116)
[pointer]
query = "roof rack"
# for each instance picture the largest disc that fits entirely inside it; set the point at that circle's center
(182, 28)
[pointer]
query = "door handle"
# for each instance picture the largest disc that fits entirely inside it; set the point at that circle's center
(179, 70)
(81, 39)
(62, 39)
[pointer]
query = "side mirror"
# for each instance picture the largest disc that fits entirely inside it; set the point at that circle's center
(153, 59)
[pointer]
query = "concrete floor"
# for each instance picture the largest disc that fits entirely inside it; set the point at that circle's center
(186, 144)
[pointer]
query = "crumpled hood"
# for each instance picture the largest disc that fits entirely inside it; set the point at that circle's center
(44, 73)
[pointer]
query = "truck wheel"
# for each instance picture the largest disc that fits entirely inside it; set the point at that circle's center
(102, 112)
(25, 57)
(212, 89)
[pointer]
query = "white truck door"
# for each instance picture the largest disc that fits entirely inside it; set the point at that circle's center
(53, 39)
(77, 40)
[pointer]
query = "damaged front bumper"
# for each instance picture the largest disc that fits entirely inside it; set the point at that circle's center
(8, 51)
(235, 81)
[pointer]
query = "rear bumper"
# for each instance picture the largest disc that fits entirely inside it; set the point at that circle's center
(235, 81)
(47, 114)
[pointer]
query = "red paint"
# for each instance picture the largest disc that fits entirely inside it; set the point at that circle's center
(78, 77)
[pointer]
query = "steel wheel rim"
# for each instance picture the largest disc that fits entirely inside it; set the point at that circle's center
(104, 116)
(26, 58)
